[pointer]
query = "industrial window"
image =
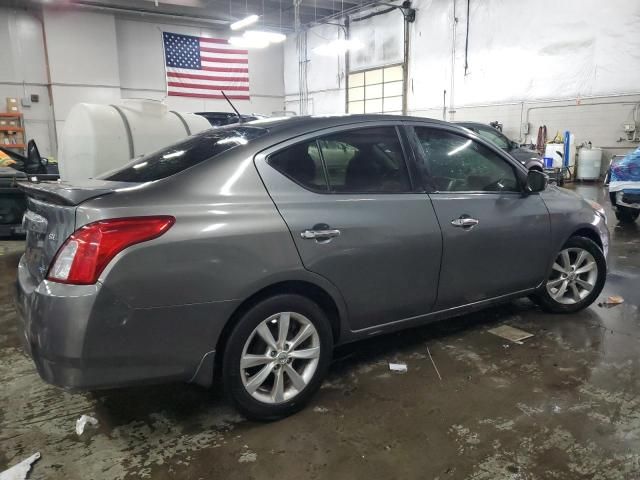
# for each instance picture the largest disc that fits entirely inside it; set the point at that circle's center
(376, 91)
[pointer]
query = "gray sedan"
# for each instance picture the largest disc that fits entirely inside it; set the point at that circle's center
(256, 248)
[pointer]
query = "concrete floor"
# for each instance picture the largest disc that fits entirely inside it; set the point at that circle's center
(565, 404)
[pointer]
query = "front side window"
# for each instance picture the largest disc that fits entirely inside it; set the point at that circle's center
(458, 164)
(493, 136)
(363, 160)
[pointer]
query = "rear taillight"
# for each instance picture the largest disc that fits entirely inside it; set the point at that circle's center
(86, 253)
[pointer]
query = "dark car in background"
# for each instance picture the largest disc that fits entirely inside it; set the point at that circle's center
(255, 248)
(13, 201)
(528, 157)
(219, 119)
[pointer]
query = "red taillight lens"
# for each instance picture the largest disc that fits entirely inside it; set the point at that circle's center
(86, 253)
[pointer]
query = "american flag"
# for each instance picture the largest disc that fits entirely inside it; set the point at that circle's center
(202, 67)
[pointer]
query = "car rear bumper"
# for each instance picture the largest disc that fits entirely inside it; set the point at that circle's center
(82, 337)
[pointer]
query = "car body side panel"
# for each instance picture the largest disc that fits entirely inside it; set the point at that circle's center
(386, 260)
(504, 253)
(569, 213)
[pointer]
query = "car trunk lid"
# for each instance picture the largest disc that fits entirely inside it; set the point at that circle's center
(51, 217)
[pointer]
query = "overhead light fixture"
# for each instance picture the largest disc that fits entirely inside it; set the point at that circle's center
(248, 42)
(271, 37)
(338, 46)
(245, 22)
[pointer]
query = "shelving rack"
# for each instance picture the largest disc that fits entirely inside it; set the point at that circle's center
(19, 128)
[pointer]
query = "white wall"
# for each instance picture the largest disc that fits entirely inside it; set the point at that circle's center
(102, 58)
(571, 65)
(23, 73)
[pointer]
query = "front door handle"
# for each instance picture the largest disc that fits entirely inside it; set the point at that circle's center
(320, 235)
(465, 222)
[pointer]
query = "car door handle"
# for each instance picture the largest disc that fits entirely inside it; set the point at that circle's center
(465, 222)
(320, 235)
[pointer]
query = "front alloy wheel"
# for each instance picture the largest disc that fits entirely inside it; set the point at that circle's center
(577, 277)
(573, 277)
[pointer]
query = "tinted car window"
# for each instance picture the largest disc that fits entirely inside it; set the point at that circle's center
(458, 164)
(494, 136)
(365, 160)
(302, 164)
(184, 154)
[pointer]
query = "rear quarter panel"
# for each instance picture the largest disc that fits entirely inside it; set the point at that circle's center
(228, 237)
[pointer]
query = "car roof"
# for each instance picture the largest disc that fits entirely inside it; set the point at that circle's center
(474, 124)
(294, 124)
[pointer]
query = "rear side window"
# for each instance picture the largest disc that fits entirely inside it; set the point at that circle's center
(364, 160)
(184, 154)
(302, 164)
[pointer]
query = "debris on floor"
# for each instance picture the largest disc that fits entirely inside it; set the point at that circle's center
(434, 364)
(20, 470)
(398, 367)
(512, 334)
(83, 421)
(248, 456)
(612, 301)
(320, 409)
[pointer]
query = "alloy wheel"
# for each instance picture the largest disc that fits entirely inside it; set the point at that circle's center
(574, 276)
(280, 357)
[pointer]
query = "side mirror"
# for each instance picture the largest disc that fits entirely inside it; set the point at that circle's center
(536, 181)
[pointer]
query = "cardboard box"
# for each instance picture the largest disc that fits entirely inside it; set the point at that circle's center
(12, 105)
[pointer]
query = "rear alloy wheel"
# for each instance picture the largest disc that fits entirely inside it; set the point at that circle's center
(577, 277)
(277, 356)
(626, 214)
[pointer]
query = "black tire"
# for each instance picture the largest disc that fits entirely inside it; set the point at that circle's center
(231, 373)
(548, 304)
(626, 214)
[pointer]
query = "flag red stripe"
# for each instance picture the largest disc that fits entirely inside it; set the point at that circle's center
(207, 77)
(223, 50)
(225, 69)
(213, 40)
(204, 95)
(225, 60)
(208, 87)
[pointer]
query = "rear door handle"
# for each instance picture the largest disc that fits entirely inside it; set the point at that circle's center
(465, 222)
(320, 235)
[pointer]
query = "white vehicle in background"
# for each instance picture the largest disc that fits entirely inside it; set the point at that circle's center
(623, 179)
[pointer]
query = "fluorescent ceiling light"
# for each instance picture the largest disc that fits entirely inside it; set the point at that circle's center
(271, 37)
(248, 42)
(245, 22)
(338, 47)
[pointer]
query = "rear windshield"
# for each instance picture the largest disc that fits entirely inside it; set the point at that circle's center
(184, 154)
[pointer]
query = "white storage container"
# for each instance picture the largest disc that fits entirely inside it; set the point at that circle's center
(551, 151)
(589, 163)
(99, 138)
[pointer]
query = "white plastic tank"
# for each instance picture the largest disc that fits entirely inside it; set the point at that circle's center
(589, 163)
(99, 138)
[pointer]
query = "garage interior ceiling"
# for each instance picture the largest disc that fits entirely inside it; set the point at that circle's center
(278, 14)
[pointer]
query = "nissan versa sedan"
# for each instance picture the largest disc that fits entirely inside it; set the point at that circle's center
(254, 249)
